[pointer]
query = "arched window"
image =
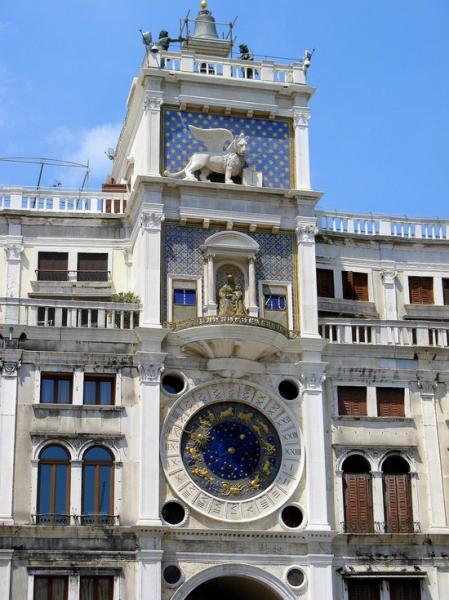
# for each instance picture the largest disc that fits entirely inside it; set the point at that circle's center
(397, 495)
(53, 486)
(98, 487)
(357, 495)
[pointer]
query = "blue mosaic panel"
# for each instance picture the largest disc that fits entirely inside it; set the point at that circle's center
(183, 256)
(268, 142)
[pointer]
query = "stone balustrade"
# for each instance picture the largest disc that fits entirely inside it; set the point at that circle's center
(68, 313)
(380, 225)
(228, 68)
(399, 333)
(57, 200)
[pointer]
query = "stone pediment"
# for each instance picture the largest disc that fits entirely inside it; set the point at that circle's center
(230, 242)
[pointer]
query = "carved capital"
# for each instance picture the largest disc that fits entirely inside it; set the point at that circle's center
(426, 387)
(151, 221)
(389, 276)
(10, 368)
(153, 101)
(150, 372)
(13, 252)
(305, 233)
(301, 118)
(312, 382)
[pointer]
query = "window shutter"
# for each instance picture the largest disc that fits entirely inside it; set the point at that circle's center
(52, 266)
(352, 401)
(358, 502)
(363, 590)
(405, 589)
(421, 290)
(446, 291)
(427, 290)
(92, 267)
(348, 289)
(325, 283)
(390, 402)
(360, 285)
(398, 503)
(414, 285)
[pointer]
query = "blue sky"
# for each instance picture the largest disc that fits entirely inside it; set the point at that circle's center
(380, 118)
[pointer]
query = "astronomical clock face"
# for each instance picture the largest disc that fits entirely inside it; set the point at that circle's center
(231, 451)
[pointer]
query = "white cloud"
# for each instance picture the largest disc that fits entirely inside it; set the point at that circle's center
(85, 146)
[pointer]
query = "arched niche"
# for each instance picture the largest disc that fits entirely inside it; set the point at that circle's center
(238, 250)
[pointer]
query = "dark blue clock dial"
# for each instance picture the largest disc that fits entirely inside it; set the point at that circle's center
(231, 450)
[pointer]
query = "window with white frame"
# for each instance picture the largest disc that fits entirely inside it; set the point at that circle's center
(276, 302)
(183, 298)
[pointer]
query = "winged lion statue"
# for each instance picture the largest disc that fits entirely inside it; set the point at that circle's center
(225, 154)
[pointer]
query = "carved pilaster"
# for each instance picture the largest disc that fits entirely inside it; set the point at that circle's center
(151, 221)
(426, 385)
(13, 252)
(151, 367)
(10, 368)
(301, 118)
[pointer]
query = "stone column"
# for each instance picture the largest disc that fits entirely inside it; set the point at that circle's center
(378, 502)
(390, 309)
(151, 225)
(437, 517)
(9, 365)
(301, 117)
(13, 251)
(152, 118)
(211, 292)
(76, 485)
(312, 378)
(150, 366)
(253, 309)
(308, 307)
(149, 563)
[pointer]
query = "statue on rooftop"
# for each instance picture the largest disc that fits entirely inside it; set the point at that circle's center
(225, 154)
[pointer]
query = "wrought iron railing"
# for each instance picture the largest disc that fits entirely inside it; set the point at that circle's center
(100, 520)
(97, 519)
(51, 519)
(232, 320)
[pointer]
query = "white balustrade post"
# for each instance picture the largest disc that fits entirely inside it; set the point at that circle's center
(150, 366)
(308, 308)
(427, 388)
(390, 308)
(152, 124)
(151, 225)
(312, 378)
(301, 117)
(253, 309)
(13, 249)
(9, 364)
(149, 569)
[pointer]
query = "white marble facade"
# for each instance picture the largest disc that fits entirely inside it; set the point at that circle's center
(282, 362)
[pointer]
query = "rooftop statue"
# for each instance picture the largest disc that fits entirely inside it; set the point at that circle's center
(225, 155)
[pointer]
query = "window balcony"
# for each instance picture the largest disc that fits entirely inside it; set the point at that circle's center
(90, 520)
(64, 275)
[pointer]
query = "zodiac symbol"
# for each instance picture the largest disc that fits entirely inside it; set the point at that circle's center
(212, 416)
(266, 468)
(255, 483)
(203, 473)
(229, 412)
(246, 417)
(263, 425)
(194, 453)
(231, 489)
(200, 438)
(204, 422)
(269, 447)
(257, 429)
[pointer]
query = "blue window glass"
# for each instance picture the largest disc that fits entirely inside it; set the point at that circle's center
(56, 389)
(275, 302)
(97, 486)
(53, 495)
(98, 390)
(184, 297)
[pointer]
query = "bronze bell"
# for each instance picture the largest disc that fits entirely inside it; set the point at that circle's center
(205, 26)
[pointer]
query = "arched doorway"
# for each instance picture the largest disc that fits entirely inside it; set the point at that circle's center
(232, 586)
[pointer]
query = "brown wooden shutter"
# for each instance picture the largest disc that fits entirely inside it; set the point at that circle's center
(92, 267)
(405, 589)
(421, 290)
(398, 503)
(52, 266)
(348, 289)
(358, 502)
(446, 291)
(360, 285)
(390, 402)
(352, 400)
(325, 283)
(363, 590)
